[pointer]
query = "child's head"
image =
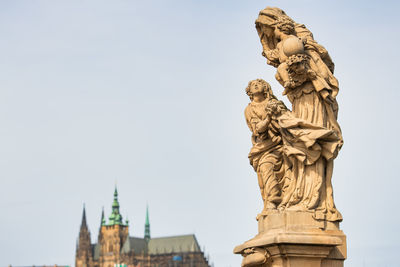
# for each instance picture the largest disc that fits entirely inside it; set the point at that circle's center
(298, 64)
(259, 86)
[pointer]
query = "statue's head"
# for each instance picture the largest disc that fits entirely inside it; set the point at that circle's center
(259, 86)
(298, 64)
(273, 21)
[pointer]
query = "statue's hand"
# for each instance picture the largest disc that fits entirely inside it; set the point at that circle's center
(289, 84)
(263, 125)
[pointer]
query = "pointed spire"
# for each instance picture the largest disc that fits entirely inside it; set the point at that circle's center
(147, 225)
(102, 223)
(84, 234)
(127, 220)
(83, 223)
(147, 215)
(115, 204)
(115, 217)
(115, 193)
(102, 220)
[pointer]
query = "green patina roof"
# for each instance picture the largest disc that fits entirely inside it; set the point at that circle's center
(147, 216)
(147, 225)
(115, 217)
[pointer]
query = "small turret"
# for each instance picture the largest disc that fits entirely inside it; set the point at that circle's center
(102, 220)
(147, 226)
(102, 223)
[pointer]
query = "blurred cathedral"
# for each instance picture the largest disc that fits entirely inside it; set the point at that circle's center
(115, 248)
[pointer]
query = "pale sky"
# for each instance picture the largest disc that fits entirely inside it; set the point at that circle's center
(150, 94)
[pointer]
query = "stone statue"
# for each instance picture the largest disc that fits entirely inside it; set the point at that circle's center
(289, 155)
(266, 154)
(293, 151)
(305, 70)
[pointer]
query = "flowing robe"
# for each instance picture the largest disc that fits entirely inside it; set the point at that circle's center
(266, 154)
(309, 186)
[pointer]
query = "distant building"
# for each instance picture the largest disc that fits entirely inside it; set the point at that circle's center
(115, 248)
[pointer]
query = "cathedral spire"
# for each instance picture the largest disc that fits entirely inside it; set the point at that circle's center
(115, 205)
(102, 220)
(147, 225)
(115, 217)
(84, 248)
(83, 223)
(84, 234)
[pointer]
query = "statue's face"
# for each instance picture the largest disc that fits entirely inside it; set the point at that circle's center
(267, 30)
(299, 68)
(256, 88)
(278, 34)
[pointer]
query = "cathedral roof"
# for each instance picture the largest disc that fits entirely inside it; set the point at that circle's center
(136, 244)
(180, 243)
(160, 245)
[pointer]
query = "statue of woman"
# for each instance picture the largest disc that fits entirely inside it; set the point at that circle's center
(304, 67)
(305, 70)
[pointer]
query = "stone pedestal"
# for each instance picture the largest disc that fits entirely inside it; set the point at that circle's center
(294, 239)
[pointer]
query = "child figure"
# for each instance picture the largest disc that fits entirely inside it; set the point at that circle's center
(295, 63)
(266, 154)
(289, 56)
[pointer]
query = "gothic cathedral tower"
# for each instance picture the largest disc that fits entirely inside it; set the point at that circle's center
(84, 257)
(113, 235)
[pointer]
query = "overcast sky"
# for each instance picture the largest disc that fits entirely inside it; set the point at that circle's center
(150, 95)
